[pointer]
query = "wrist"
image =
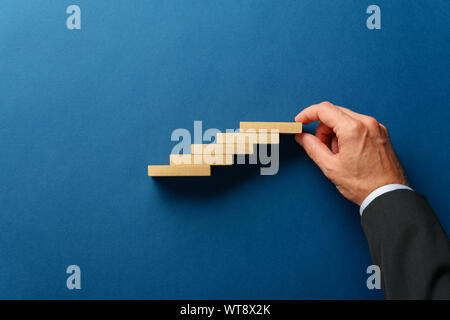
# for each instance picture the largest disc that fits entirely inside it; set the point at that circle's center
(378, 192)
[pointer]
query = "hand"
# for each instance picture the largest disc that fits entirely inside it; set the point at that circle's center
(351, 149)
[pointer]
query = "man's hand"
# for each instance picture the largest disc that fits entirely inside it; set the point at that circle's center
(352, 150)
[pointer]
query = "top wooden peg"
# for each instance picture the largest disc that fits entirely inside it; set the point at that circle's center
(282, 127)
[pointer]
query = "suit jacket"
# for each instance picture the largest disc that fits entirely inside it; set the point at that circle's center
(409, 245)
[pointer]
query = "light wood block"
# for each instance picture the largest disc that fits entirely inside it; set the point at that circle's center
(217, 160)
(222, 148)
(248, 137)
(282, 127)
(179, 171)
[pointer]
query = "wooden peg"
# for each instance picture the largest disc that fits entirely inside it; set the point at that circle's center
(222, 148)
(218, 160)
(248, 137)
(282, 127)
(179, 171)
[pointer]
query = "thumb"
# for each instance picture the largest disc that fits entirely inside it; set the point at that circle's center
(315, 149)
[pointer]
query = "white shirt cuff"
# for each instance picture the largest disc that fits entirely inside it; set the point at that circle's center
(378, 192)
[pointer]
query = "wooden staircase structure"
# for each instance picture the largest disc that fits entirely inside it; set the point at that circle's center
(222, 152)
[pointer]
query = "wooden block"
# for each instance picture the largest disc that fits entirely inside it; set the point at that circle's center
(248, 137)
(179, 171)
(222, 148)
(199, 159)
(282, 127)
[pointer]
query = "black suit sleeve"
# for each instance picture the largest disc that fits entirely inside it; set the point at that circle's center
(409, 245)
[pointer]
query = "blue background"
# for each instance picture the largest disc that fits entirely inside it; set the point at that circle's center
(83, 112)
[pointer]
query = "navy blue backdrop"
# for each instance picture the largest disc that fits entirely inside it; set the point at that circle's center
(83, 112)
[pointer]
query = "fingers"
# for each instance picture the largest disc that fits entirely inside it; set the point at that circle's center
(338, 123)
(351, 149)
(351, 113)
(325, 112)
(327, 136)
(371, 123)
(368, 121)
(316, 150)
(324, 134)
(334, 145)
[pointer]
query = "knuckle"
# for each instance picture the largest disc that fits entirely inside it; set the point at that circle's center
(327, 169)
(312, 152)
(326, 104)
(330, 169)
(357, 127)
(372, 123)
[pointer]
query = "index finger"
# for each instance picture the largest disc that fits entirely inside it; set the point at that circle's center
(325, 112)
